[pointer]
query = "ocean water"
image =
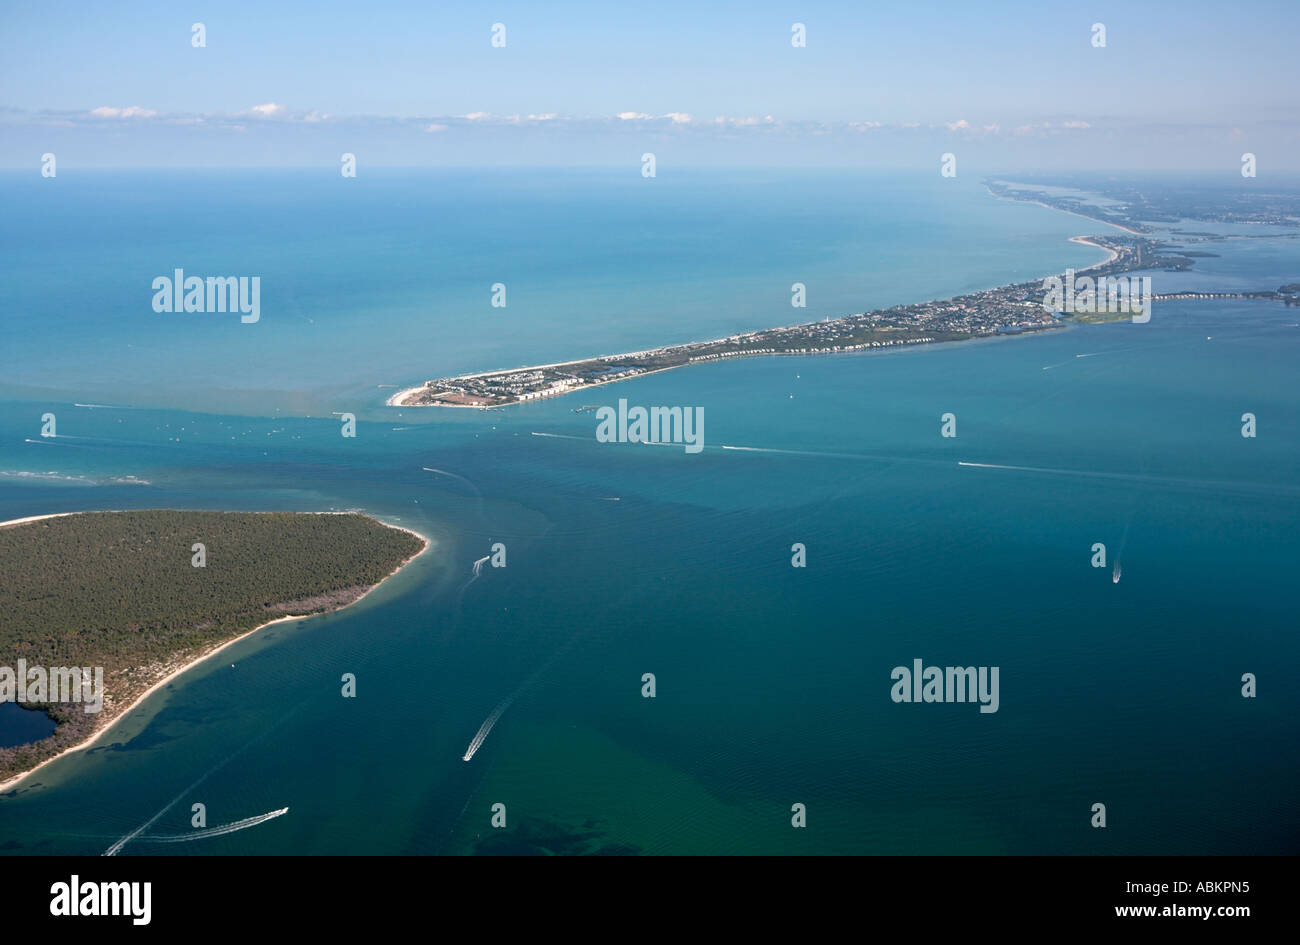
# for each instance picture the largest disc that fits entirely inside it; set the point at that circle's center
(772, 682)
(387, 278)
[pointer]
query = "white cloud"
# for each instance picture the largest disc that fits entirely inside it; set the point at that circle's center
(690, 125)
(133, 111)
(748, 121)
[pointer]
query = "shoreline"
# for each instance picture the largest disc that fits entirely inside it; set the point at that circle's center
(1084, 241)
(1073, 213)
(16, 780)
(686, 364)
(395, 399)
(38, 518)
(391, 402)
(617, 380)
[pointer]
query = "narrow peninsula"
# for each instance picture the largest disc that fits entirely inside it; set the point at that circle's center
(1003, 310)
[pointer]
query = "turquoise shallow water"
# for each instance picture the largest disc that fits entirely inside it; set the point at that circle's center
(773, 682)
(387, 278)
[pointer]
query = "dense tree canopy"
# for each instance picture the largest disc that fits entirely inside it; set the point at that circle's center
(121, 590)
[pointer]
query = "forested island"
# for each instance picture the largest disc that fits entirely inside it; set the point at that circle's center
(145, 594)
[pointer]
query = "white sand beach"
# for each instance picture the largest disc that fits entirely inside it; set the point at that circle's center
(111, 718)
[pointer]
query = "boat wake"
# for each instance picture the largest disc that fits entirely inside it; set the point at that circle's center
(117, 845)
(1092, 354)
(219, 831)
(769, 449)
(863, 457)
(562, 436)
(1178, 481)
(478, 569)
(451, 475)
(483, 730)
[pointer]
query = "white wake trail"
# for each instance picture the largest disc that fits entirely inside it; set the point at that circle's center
(481, 735)
(219, 831)
(451, 475)
(119, 844)
(824, 453)
(443, 472)
(859, 457)
(477, 741)
(1265, 488)
(768, 449)
(1084, 473)
(587, 439)
(478, 569)
(1091, 354)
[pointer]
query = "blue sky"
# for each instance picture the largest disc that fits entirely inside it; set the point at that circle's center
(1177, 85)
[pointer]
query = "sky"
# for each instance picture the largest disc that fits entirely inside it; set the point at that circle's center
(1010, 84)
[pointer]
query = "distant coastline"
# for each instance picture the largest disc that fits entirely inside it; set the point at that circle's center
(112, 715)
(1009, 309)
(1074, 213)
(1005, 309)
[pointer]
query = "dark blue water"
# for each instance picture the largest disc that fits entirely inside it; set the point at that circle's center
(772, 682)
(21, 726)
